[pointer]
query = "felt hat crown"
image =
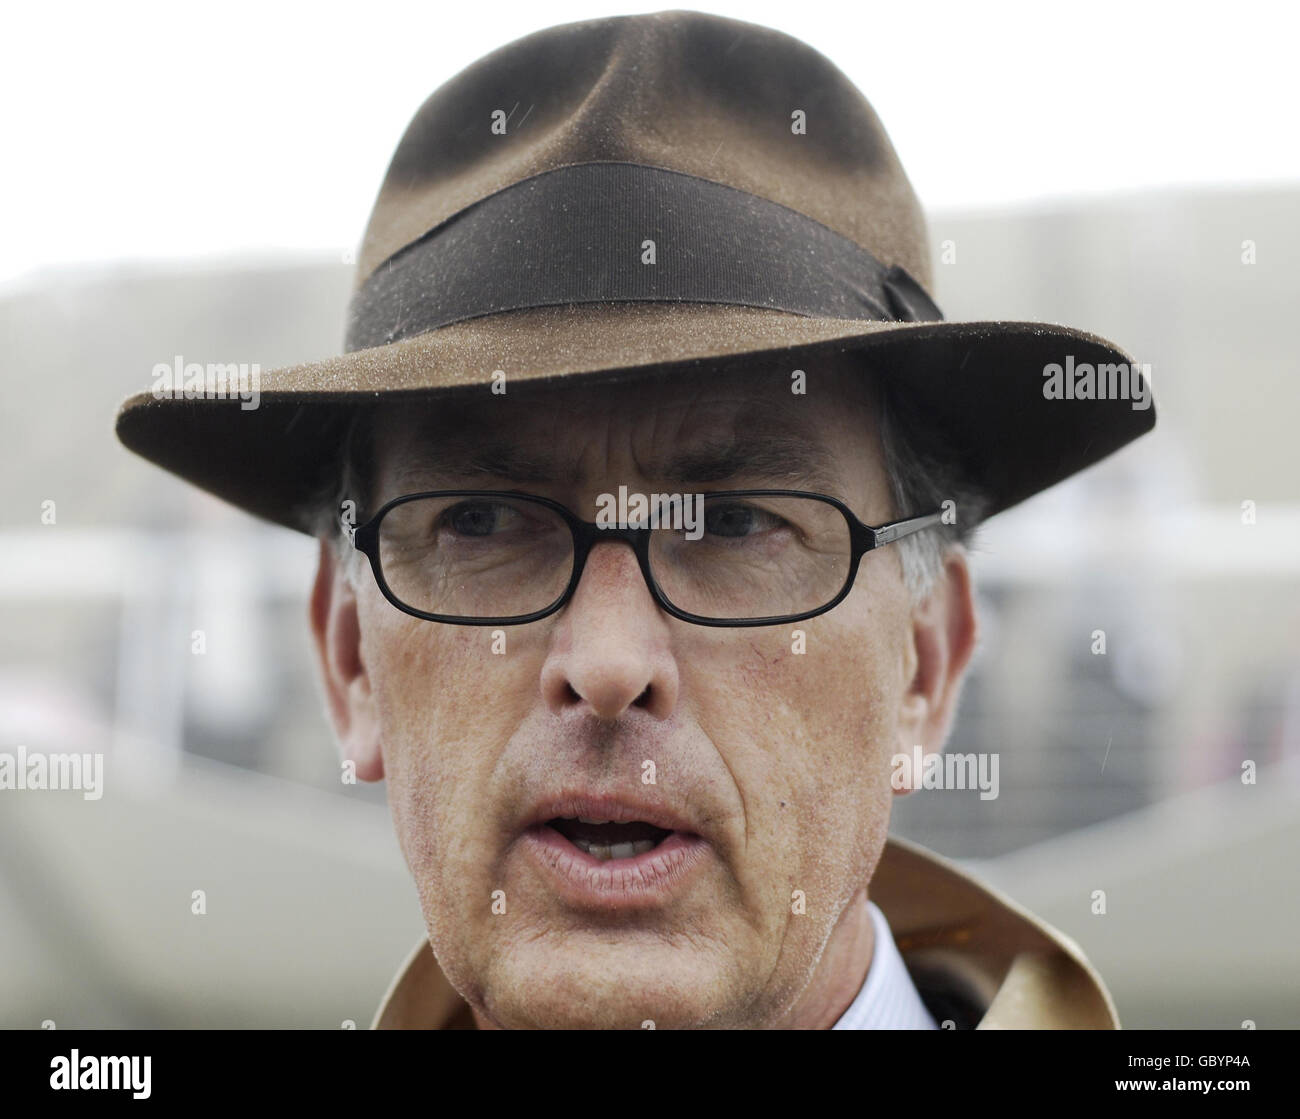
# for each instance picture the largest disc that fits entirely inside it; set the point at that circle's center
(666, 192)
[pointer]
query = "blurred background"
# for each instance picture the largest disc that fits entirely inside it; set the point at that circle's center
(197, 184)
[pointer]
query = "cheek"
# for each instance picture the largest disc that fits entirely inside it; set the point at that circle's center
(444, 713)
(807, 737)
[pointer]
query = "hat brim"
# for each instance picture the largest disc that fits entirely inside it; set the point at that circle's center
(982, 382)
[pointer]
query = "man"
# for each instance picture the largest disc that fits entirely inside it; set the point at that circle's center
(641, 491)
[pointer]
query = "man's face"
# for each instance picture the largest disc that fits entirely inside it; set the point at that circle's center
(767, 755)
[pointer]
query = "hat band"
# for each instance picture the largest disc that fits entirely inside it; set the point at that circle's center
(613, 232)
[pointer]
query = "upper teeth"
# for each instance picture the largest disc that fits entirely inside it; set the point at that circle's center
(605, 851)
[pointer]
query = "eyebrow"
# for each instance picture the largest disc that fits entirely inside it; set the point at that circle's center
(791, 459)
(788, 457)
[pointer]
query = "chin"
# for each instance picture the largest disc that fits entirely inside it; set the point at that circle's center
(603, 987)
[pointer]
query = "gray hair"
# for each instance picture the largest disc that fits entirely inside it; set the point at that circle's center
(345, 486)
(922, 473)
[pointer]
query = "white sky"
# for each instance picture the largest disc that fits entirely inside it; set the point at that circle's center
(174, 130)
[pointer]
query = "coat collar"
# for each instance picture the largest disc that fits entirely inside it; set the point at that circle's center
(978, 959)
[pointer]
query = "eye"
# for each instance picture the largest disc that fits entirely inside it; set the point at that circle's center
(479, 518)
(738, 519)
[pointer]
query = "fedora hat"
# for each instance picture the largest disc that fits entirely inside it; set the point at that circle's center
(672, 192)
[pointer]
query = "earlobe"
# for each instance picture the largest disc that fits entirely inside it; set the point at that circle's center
(336, 636)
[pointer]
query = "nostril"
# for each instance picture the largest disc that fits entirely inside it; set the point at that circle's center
(607, 683)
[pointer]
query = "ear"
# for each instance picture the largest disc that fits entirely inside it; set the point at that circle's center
(941, 641)
(336, 634)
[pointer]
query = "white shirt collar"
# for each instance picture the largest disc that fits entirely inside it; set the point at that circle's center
(889, 999)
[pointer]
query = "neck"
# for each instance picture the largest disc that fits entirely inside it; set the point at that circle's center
(840, 973)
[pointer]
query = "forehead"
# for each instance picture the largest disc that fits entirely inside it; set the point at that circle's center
(704, 426)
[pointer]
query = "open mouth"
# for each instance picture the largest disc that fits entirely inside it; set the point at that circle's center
(606, 840)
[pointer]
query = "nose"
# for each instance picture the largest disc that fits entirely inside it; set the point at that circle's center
(611, 651)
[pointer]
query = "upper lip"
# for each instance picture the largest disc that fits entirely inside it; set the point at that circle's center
(619, 809)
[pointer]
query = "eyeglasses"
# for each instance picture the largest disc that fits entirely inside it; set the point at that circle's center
(501, 557)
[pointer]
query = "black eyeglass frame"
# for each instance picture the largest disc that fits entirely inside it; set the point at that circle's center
(586, 534)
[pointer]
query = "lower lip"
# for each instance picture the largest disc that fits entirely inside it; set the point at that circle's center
(642, 881)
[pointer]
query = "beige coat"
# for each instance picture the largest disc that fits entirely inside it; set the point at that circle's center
(978, 959)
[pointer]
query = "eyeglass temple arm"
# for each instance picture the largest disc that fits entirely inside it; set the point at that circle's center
(896, 530)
